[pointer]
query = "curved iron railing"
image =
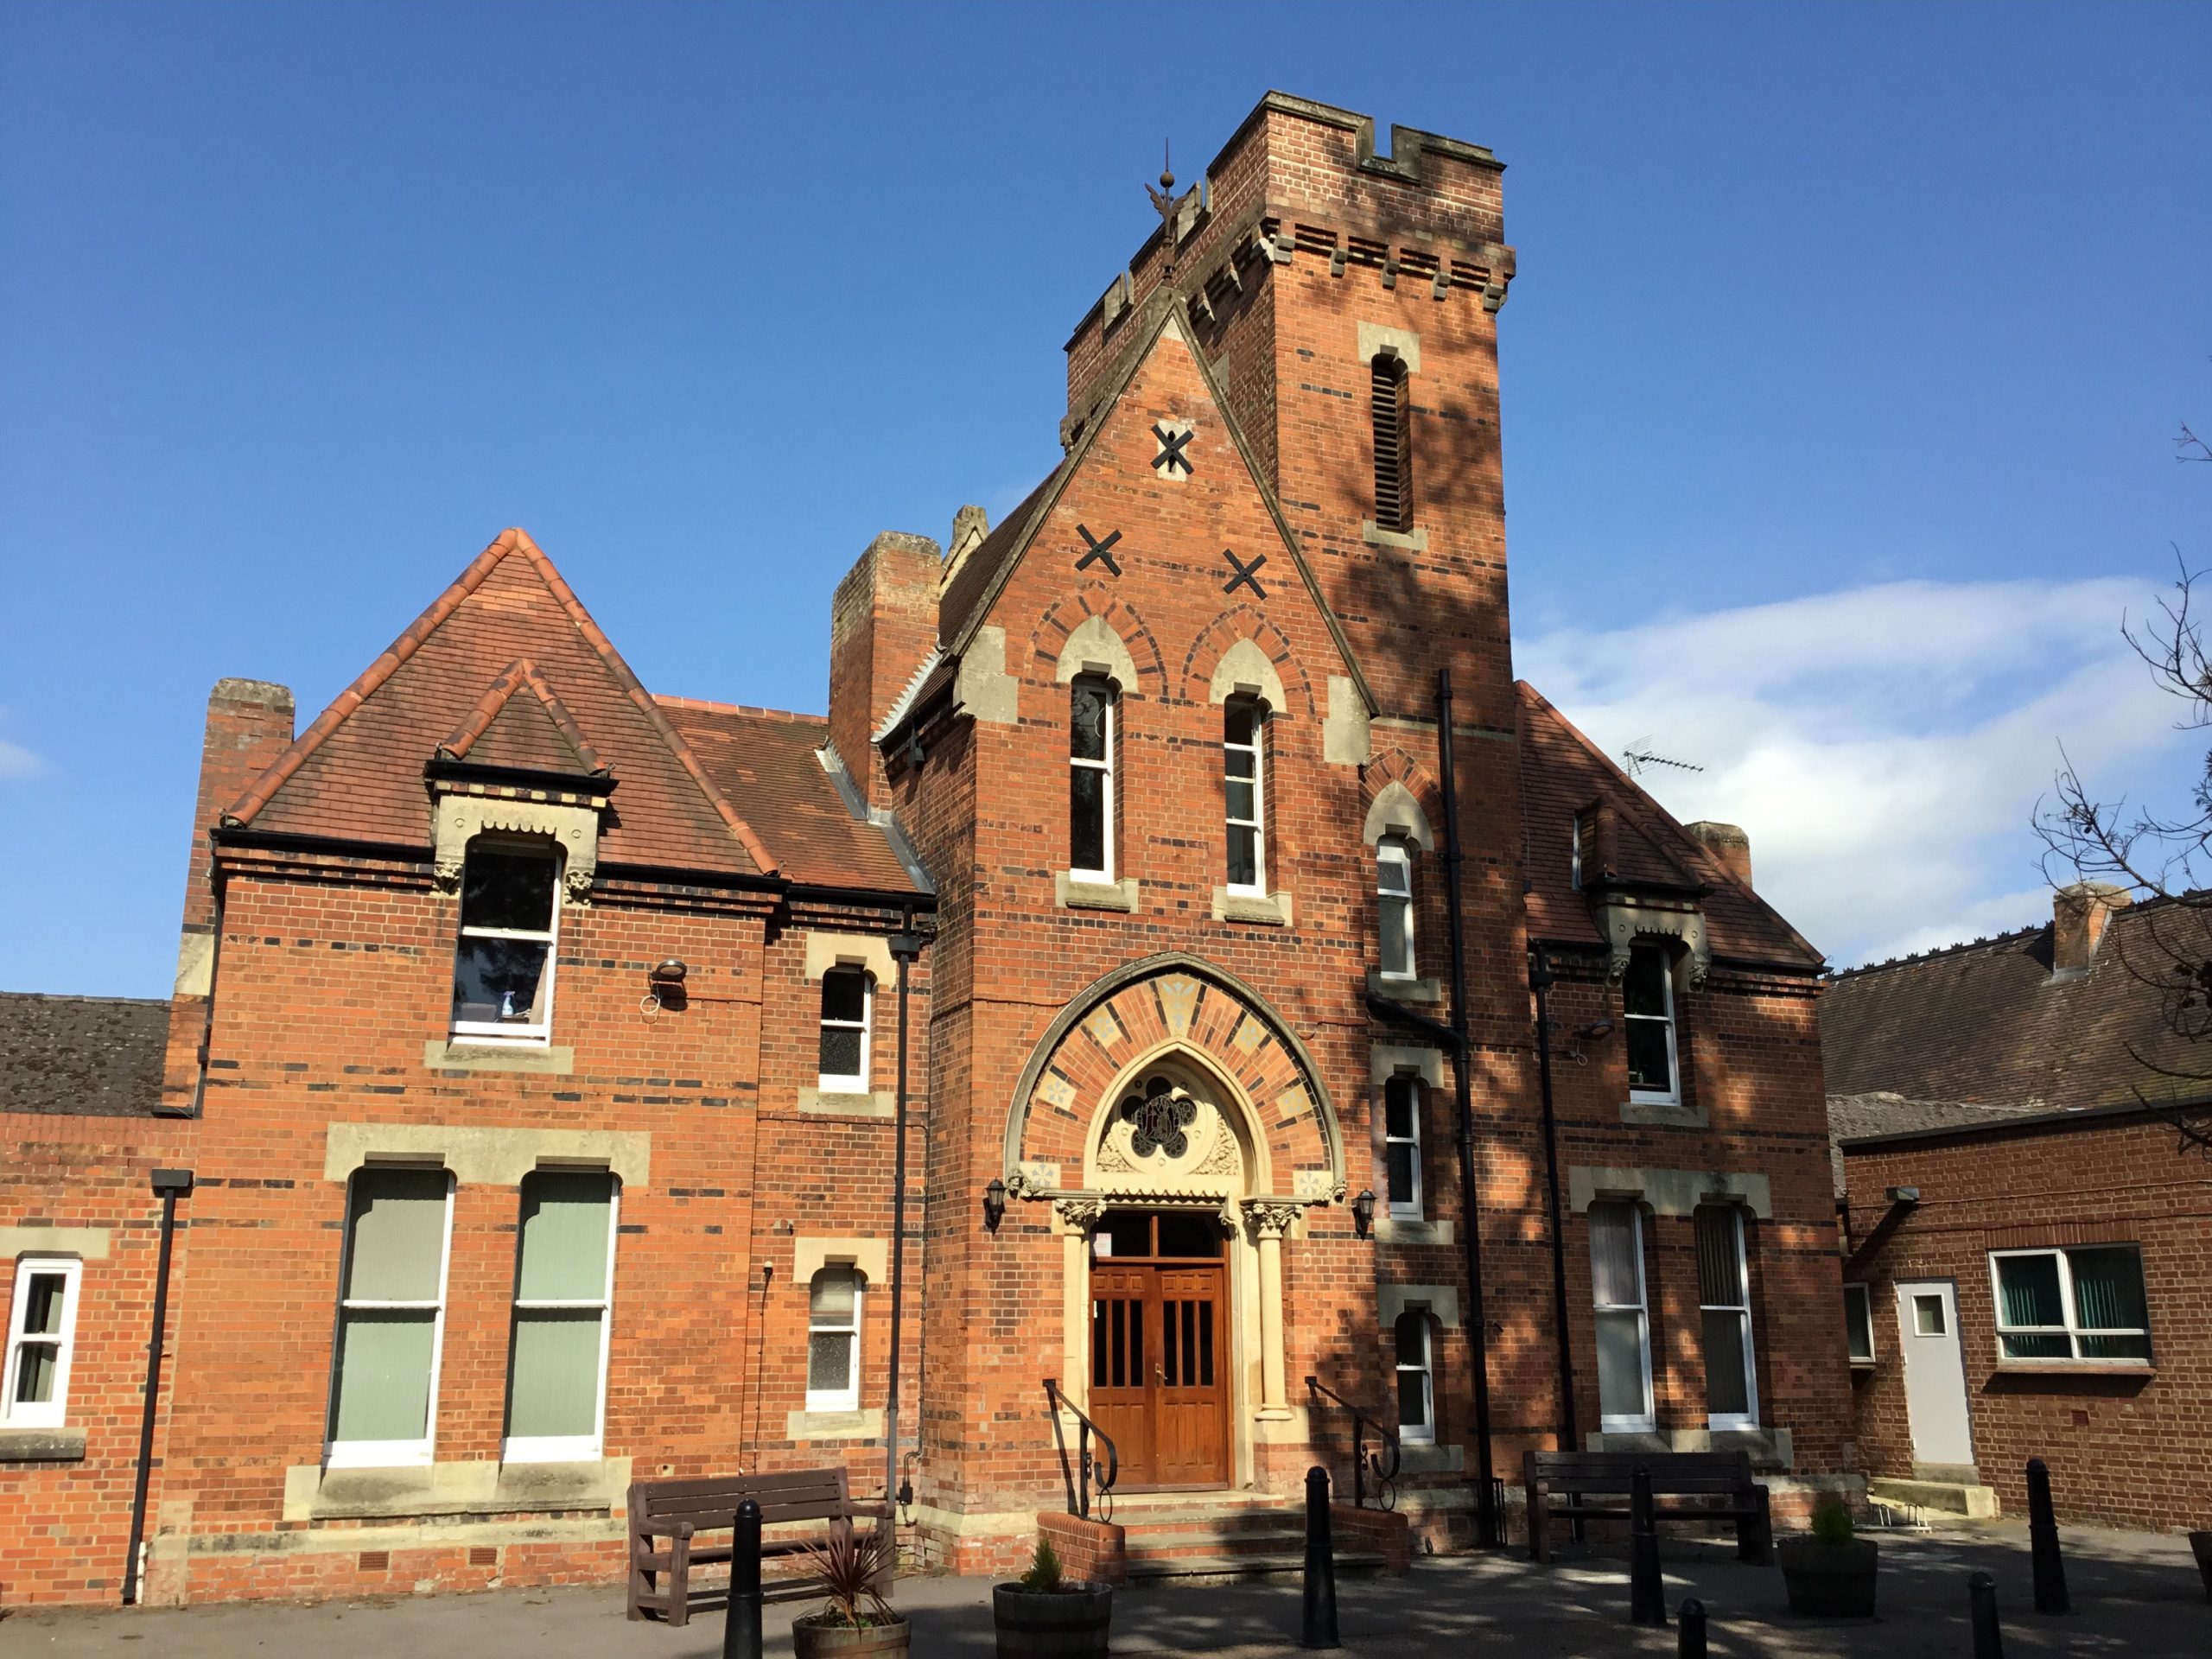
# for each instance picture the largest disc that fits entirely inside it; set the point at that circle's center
(1083, 1476)
(1364, 1462)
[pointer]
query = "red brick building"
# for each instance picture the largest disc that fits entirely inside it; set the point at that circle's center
(538, 1040)
(2029, 1239)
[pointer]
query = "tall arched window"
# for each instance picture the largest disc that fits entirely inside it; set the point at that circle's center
(1091, 777)
(1394, 456)
(1243, 742)
(1416, 1379)
(833, 1339)
(1393, 905)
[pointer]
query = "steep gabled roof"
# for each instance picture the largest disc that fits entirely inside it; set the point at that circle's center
(968, 597)
(81, 1056)
(1990, 1022)
(772, 762)
(1563, 772)
(357, 773)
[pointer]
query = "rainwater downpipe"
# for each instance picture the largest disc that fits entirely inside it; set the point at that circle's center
(171, 1184)
(1540, 980)
(905, 947)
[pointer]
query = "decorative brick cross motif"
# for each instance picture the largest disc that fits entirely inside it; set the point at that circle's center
(1101, 552)
(1171, 455)
(1246, 574)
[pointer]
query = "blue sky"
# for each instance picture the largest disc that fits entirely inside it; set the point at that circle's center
(1840, 375)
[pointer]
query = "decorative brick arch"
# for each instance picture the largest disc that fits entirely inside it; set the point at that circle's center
(1165, 1009)
(1243, 622)
(1393, 765)
(1049, 639)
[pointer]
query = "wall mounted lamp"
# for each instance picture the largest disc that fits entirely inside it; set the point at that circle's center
(993, 1204)
(1363, 1212)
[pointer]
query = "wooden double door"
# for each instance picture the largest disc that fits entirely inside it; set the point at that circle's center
(1159, 1368)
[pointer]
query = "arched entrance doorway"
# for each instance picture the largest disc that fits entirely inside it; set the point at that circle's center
(1161, 1346)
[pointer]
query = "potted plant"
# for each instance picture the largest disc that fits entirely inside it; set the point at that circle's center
(1831, 1573)
(856, 1620)
(1042, 1612)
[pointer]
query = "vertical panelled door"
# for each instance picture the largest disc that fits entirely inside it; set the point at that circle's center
(1158, 1354)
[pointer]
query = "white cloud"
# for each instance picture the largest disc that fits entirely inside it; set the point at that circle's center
(1883, 746)
(15, 761)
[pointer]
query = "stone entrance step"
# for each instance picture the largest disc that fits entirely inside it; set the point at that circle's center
(1244, 1569)
(1975, 1502)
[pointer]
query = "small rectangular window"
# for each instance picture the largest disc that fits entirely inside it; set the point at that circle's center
(503, 961)
(1394, 905)
(2085, 1302)
(1624, 1331)
(1723, 1294)
(384, 1394)
(1243, 726)
(564, 1289)
(1648, 996)
(833, 1340)
(1090, 779)
(847, 1002)
(1416, 1380)
(1858, 1324)
(1402, 1145)
(42, 1333)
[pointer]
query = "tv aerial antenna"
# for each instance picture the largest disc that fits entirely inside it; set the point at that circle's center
(1639, 756)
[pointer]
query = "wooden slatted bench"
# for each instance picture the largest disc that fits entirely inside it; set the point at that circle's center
(666, 1517)
(1718, 1484)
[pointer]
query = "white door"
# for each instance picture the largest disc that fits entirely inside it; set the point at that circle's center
(1934, 1372)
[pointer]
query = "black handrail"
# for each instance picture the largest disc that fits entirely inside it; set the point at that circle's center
(1364, 1462)
(1079, 1490)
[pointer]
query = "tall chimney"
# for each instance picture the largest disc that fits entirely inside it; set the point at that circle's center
(882, 623)
(1728, 844)
(2078, 916)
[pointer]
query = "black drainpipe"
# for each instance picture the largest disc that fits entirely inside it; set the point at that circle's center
(171, 1184)
(905, 947)
(1477, 1325)
(1540, 980)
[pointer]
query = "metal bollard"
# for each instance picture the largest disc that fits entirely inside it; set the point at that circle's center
(2042, 1543)
(1690, 1644)
(1981, 1606)
(1646, 1590)
(1319, 1627)
(741, 1626)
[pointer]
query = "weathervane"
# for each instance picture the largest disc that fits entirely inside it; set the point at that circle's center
(1163, 202)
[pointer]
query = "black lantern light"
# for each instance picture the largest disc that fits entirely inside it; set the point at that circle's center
(993, 1204)
(1363, 1212)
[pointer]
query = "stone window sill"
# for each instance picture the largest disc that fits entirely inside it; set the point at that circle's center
(313, 1492)
(461, 1055)
(1424, 1458)
(1406, 1230)
(1659, 1113)
(1269, 909)
(834, 1425)
(824, 1103)
(1070, 893)
(1403, 991)
(1415, 540)
(41, 1446)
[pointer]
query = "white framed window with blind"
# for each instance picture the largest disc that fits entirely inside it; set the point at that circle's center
(564, 1299)
(2083, 1302)
(1243, 744)
(1622, 1320)
(1647, 1007)
(1724, 1295)
(847, 1007)
(833, 1338)
(1393, 906)
(41, 1337)
(383, 1387)
(504, 959)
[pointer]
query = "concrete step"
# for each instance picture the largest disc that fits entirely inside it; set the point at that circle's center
(1952, 1497)
(1227, 1520)
(1244, 1569)
(1198, 1541)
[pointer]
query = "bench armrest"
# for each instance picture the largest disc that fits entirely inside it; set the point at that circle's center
(650, 1528)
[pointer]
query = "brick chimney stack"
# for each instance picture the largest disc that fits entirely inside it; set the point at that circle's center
(1728, 844)
(2078, 917)
(882, 624)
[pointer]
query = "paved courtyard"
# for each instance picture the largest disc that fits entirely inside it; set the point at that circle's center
(2133, 1594)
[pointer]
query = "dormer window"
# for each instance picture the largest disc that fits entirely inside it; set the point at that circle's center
(503, 962)
(1389, 405)
(1648, 1003)
(1244, 725)
(1393, 903)
(1091, 778)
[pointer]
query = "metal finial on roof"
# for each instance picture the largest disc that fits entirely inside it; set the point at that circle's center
(1163, 202)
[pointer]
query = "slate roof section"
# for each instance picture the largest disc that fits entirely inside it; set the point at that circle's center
(768, 763)
(1851, 1116)
(956, 606)
(356, 773)
(81, 1056)
(1562, 774)
(1989, 1022)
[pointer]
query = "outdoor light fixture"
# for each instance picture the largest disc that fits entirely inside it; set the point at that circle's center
(1363, 1212)
(993, 1204)
(1596, 1032)
(668, 973)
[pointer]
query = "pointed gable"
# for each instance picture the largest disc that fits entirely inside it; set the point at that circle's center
(509, 664)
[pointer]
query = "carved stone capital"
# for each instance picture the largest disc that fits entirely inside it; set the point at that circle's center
(575, 829)
(1271, 1217)
(1080, 1215)
(1624, 919)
